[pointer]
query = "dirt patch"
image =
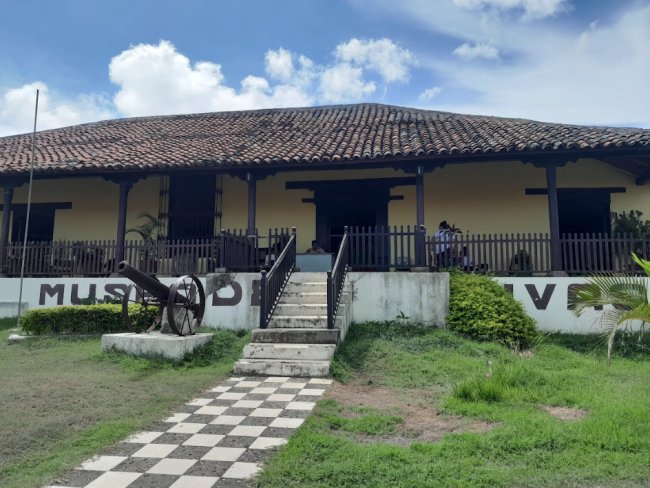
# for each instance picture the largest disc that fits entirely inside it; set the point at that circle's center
(422, 421)
(564, 413)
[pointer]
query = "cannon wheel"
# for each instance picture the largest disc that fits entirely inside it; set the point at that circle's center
(134, 319)
(186, 305)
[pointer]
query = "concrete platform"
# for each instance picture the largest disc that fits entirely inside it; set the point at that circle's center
(169, 346)
(276, 367)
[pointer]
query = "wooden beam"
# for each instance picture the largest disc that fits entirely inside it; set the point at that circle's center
(251, 178)
(419, 194)
(125, 188)
(554, 219)
(544, 191)
(6, 219)
(357, 183)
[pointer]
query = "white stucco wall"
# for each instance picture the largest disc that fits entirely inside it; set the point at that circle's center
(423, 297)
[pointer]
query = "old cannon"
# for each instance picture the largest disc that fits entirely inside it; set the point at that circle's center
(184, 302)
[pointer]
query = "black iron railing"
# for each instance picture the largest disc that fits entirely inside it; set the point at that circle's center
(273, 283)
(336, 280)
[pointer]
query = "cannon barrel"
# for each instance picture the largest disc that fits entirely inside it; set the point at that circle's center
(146, 282)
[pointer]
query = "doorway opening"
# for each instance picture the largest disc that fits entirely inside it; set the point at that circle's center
(338, 218)
(584, 211)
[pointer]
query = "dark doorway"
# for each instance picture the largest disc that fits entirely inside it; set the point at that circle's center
(584, 211)
(192, 201)
(338, 218)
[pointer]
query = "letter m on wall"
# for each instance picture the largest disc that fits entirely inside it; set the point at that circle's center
(56, 290)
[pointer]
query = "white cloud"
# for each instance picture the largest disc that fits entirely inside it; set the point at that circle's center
(157, 79)
(468, 52)
(533, 9)
(344, 83)
(17, 109)
(430, 93)
(383, 56)
(555, 73)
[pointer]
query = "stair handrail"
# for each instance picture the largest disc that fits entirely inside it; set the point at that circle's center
(336, 279)
(273, 283)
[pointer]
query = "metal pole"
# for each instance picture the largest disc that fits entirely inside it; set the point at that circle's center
(29, 205)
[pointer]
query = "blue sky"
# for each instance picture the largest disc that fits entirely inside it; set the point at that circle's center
(572, 61)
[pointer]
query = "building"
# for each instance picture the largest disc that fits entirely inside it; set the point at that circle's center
(320, 169)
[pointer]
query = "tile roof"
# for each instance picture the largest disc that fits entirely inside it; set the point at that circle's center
(297, 136)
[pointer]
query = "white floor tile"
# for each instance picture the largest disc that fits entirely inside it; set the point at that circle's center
(188, 428)
(320, 381)
(294, 386)
(276, 379)
(210, 410)
(172, 466)
(236, 379)
(231, 396)
(144, 437)
(299, 406)
(287, 423)
(279, 397)
(230, 454)
(263, 391)
(242, 470)
(266, 442)
(155, 450)
(311, 392)
(177, 417)
(195, 482)
(266, 412)
(248, 430)
(203, 440)
(247, 404)
(102, 463)
(199, 402)
(114, 479)
(228, 420)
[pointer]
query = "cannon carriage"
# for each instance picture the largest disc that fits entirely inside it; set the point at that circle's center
(181, 306)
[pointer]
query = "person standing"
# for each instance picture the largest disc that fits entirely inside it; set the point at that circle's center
(444, 237)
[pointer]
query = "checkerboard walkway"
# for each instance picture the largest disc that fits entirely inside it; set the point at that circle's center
(217, 440)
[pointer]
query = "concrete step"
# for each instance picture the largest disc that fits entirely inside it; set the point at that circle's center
(306, 287)
(295, 336)
(307, 352)
(298, 322)
(301, 309)
(279, 367)
(308, 278)
(303, 297)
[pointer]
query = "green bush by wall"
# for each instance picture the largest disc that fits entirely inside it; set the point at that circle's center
(79, 319)
(482, 308)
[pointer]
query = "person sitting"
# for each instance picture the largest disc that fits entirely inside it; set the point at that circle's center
(315, 248)
(468, 262)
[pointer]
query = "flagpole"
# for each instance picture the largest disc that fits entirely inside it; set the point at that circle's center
(29, 205)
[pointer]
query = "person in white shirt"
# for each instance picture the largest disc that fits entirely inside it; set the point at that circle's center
(444, 237)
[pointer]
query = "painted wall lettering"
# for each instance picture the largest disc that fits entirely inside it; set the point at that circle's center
(510, 288)
(217, 301)
(74, 296)
(115, 290)
(540, 303)
(571, 296)
(56, 290)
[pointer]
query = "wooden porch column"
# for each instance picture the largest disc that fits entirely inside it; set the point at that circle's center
(419, 193)
(6, 220)
(125, 188)
(251, 178)
(554, 219)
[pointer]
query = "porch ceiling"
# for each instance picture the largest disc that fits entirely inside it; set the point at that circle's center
(314, 137)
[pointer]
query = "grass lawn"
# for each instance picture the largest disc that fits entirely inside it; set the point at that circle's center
(415, 410)
(63, 400)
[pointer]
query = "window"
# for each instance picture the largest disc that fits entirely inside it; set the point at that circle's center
(192, 200)
(41, 221)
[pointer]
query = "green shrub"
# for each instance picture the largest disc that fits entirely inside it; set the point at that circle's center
(482, 308)
(80, 319)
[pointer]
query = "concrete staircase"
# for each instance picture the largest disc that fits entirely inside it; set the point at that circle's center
(297, 341)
